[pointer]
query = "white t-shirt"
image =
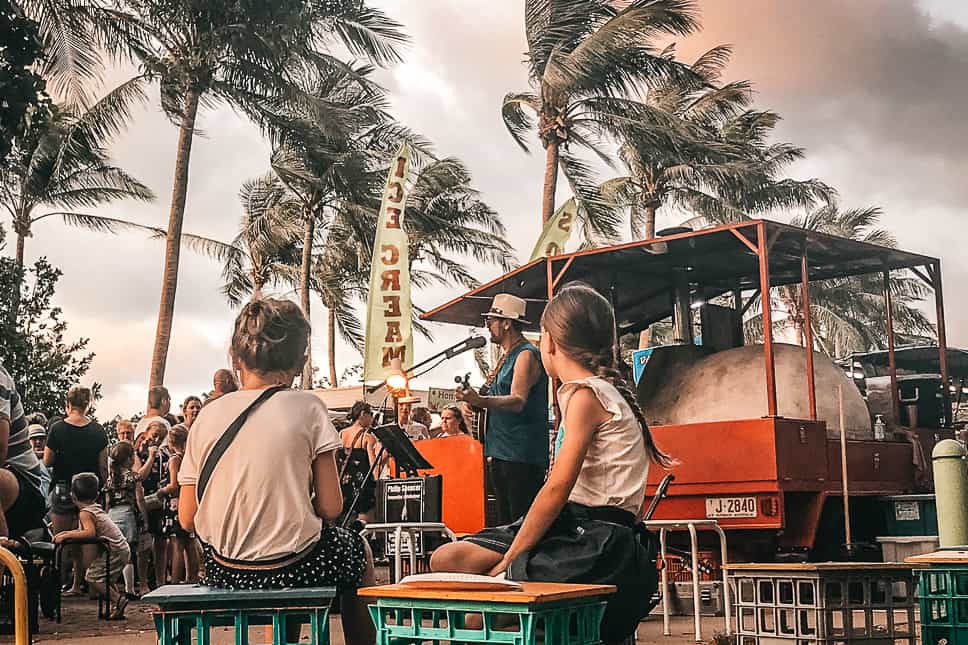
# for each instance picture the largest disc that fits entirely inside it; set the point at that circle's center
(144, 422)
(257, 505)
(616, 465)
(416, 431)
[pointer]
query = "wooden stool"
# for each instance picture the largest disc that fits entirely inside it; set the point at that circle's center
(182, 608)
(567, 614)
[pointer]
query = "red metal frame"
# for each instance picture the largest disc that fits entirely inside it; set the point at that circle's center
(764, 260)
(808, 329)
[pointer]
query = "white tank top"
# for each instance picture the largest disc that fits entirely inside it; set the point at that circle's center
(616, 465)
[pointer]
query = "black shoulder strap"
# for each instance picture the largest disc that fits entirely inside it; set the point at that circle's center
(226, 440)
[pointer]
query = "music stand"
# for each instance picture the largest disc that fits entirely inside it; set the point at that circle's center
(405, 456)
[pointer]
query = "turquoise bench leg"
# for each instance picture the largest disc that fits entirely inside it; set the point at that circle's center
(400, 621)
(177, 628)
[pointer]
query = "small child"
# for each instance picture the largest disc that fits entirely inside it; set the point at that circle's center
(184, 557)
(125, 503)
(95, 523)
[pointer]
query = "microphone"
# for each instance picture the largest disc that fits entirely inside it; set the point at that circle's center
(473, 342)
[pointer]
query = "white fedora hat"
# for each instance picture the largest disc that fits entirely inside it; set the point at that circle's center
(508, 307)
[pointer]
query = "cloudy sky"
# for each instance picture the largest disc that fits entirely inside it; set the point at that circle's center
(875, 91)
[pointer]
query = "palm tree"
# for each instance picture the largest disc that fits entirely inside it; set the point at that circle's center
(329, 168)
(265, 251)
(717, 164)
(847, 314)
(446, 222)
(585, 57)
(61, 168)
(247, 53)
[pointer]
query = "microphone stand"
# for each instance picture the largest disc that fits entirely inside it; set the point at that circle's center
(457, 348)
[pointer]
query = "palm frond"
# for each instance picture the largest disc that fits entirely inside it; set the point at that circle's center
(102, 224)
(517, 121)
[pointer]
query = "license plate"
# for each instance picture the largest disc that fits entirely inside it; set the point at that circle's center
(730, 507)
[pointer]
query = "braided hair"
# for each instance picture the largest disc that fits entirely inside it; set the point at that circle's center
(582, 323)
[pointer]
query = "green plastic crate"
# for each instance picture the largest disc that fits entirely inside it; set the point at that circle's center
(944, 605)
(415, 621)
(188, 613)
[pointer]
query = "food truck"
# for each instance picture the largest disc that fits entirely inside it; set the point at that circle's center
(755, 426)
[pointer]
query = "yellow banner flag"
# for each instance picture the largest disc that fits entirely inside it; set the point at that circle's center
(557, 231)
(389, 328)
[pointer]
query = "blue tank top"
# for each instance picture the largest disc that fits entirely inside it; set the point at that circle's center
(519, 436)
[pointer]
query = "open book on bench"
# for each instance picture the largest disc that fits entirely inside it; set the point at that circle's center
(459, 582)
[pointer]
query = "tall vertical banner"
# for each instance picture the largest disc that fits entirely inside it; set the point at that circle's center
(389, 328)
(557, 231)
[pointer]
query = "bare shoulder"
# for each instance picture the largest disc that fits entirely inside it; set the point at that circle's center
(586, 404)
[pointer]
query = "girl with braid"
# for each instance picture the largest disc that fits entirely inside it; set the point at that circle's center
(583, 525)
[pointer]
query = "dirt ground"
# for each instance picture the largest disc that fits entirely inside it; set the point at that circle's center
(81, 626)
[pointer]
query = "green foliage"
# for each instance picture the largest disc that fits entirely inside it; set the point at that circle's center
(24, 100)
(62, 168)
(33, 346)
(587, 61)
(716, 160)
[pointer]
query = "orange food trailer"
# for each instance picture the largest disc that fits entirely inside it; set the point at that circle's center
(755, 426)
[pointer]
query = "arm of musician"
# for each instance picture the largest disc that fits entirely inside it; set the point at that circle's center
(527, 369)
(585, 415)
(328, 502)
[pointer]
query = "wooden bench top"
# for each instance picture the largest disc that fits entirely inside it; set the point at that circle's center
(818, 566)
(531, 592)
(196, 596)
(945, 556)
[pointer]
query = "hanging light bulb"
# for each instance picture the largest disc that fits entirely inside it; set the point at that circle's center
(397, 378)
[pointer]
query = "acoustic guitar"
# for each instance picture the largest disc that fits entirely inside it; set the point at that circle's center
(479, 429)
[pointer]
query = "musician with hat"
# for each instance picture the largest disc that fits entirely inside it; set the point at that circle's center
(515, 398)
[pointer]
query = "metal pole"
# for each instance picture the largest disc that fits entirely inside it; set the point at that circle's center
(891, 363)
(694, 547)
(843, 465)
(397, 562)
(767, 319)
(21, 628)
(808, 330)
(665, 583)
(942, 340)
(727, 605)
(553, 383)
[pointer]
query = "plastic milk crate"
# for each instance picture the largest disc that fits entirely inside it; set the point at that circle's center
(943, 592)
(823, 603)
(555, 614)
(183, 609)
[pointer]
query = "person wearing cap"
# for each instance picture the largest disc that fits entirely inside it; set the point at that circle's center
(37, 435)
(416, 431)
(515, 397)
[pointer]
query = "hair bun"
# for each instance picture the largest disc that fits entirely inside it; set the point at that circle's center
(271, 335)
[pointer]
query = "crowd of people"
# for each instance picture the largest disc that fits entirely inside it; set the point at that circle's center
(246, 489)
(110, 500)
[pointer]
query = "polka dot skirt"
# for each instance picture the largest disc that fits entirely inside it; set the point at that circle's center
(338, 560)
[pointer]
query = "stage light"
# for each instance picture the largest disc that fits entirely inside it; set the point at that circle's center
(397, 379)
